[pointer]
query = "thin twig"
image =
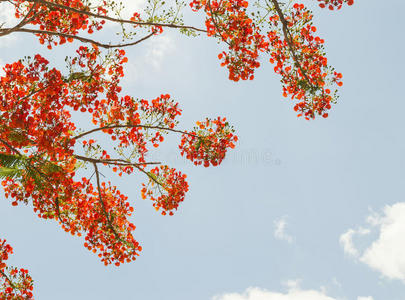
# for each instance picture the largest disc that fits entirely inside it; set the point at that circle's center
(131, 126)
(102, 203)
(147, 174)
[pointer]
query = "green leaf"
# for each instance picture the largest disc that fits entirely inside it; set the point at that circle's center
(9, 172)
(11, 161)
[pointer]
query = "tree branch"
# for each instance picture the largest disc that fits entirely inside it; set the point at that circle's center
(23, 22)
(102, 203)
(75, 37)
(10, 147)
(117, 162)
(151, 177)
(40, 174)
(215, 23)
(289, 39)
(130, 126)
(8, 279)
(122, 21)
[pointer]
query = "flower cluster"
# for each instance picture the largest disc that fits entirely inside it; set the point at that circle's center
(208, 143)
(55, 16)
(15, 284)
(166, 188)
(299, 58)
(229, 21)
(289, 38)
(39, 154)
(103, 214)
(332, 4)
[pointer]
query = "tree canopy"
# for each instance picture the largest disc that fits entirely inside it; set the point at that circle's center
(43, 150)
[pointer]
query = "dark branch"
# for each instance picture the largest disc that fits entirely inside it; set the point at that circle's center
(23, 22)
(10, 147)
(131, 126)
(215, 23)
(117, 162)
(290, 42)
(8, 279)
(75, 37)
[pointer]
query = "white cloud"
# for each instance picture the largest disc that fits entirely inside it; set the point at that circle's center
(387, 253)
(346, 240)
(7, 19)
(157, 49)
(254, 293)
(280, 230)
(131, 6)
(365, 298)
(128, 7)
(7, 14)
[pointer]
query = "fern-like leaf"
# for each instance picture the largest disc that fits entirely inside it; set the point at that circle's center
(9, 172)
(11, 161)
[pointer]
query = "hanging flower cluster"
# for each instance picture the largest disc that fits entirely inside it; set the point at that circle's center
(166, 188)
(15, 284)
(288, 37)
(229, 21)
(104, 215)
(208, 143)
(299, 58)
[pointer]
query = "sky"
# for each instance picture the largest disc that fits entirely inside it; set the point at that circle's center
(299, 210)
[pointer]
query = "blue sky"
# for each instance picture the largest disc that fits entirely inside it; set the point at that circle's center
(299, 210)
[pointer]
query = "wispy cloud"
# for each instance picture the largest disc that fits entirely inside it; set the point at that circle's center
(280, 233)
(7, 14)
(157, 50)
(7, 19)
(346, 240)
(131, 6)
(128, 7)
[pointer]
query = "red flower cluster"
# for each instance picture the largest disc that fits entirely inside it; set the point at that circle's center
(300, 61)
(166, 188)
(297, 53)
(332, 4)
(208, 143)
(15, 284)
(38, 138)
(104, 216)
(229, 21)
(56, 18)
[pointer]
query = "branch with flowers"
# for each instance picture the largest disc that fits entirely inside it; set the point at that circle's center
(42, 150)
